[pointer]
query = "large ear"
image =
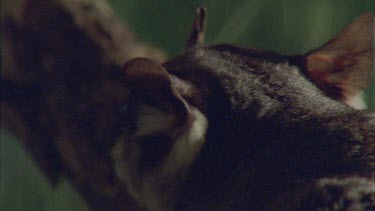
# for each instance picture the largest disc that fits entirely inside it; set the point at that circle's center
(197, 33)
(342, 67)
(150, 83)
(167, 137)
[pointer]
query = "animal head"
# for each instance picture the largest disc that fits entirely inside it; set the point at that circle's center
(218, 117)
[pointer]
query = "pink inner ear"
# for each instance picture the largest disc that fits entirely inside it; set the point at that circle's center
(328, 74)
(320, 67)
(342, 67)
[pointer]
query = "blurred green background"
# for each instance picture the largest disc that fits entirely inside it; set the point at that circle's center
(284, 26)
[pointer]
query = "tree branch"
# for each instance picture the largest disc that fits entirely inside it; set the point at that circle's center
(61, 63)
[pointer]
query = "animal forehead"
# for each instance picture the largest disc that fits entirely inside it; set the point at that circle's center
(216, 55)
(244, 54)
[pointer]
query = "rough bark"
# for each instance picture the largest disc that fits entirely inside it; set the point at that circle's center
(61, 92)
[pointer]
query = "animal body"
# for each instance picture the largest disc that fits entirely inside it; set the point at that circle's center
(228, 128)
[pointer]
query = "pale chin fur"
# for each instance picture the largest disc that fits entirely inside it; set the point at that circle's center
(183, 153)
(356, 102)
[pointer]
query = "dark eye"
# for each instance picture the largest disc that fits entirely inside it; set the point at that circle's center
(129, 107)
(125, 108)
(153, 150)
(128, 114)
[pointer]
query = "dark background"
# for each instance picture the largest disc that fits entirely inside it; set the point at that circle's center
(284, 26)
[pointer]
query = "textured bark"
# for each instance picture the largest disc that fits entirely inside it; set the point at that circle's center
(61, 92)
